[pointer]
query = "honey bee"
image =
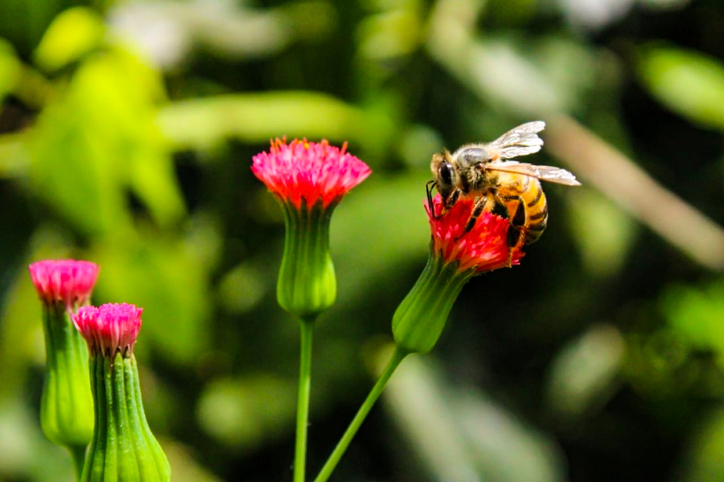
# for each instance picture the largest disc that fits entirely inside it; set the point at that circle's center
(484, 173)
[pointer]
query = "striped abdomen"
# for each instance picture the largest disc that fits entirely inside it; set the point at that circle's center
(536, 211)
(527, 209)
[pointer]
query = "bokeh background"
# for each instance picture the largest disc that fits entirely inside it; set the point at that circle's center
(126, 136)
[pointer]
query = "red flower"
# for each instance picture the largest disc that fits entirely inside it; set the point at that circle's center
(67, 281)
(309, 172)
(109, 328)
(483, 248)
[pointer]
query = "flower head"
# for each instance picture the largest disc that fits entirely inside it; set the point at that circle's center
(109, 328)
(309, 172)
(483, 248)
(123, 448)
(455, 257)
(68, 281)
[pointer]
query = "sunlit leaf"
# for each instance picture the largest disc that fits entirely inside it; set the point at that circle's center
(9, 68)
(97, 140)
(23, 21)
(73, 33)
(583, 375)
(603, 233)
(202, 123)
(703, 462)
(687, 82)
(696, 313)
(390, 34)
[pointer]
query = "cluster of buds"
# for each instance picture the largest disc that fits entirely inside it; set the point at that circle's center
(91, 394)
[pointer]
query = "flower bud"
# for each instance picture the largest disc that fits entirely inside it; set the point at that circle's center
(307, 284)
(123, 447)
(308, 179)
(66, 407)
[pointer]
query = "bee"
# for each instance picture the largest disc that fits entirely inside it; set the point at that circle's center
(484, 173)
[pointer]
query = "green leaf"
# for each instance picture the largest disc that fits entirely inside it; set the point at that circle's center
(604, 234)
(696, 314)
(73, 34)
(584, 373)
(23, 22)
(203, 123)
(97, 140)
(9, 69)
(703, 462)
(687, 82)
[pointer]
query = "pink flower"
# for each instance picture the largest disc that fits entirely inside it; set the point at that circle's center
(483, 248)
(68, 281)
(309, 172)
(109, 328)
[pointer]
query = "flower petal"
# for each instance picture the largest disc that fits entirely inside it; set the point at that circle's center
(483, 248)
(309, 172)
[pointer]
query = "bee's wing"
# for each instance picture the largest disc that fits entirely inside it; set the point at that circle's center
(521, 141)
(544, 173)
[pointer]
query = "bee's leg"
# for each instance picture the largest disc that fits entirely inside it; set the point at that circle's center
(516, 231)
(428, 188)
(449, 202)
(478, 209)
(446, 203)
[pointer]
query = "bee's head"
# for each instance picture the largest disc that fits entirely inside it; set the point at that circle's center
(444, 173)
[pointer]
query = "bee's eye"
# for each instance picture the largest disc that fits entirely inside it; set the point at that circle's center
(446, 174)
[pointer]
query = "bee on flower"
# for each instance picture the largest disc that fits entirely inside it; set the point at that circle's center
(486, 174)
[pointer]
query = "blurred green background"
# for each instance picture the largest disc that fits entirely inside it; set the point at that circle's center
(126, 136)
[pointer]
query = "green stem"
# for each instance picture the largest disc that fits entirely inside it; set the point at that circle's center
(305, 383)
(374, 394)
(307, 285)
(123, 447)
(66, 410)
(77, 452)
(421, 317)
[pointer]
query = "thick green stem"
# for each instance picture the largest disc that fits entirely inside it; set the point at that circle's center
(66, 405)
(307, 284)
(123, 448)
(77, 452)
(369, 402)
(421, 317)
(305, 383)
